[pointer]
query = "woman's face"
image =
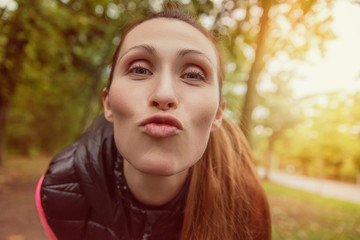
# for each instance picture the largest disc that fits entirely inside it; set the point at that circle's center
(164, 96)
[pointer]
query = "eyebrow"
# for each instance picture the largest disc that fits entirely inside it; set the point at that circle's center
(184, 52)
(148, 48)
(152, 51)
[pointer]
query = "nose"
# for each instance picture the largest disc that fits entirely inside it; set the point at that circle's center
(164, 96)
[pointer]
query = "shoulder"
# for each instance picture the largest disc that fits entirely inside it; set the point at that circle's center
(60, 178)
(62, 199)
(78, 182)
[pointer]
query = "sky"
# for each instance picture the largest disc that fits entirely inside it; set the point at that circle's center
(340, 68)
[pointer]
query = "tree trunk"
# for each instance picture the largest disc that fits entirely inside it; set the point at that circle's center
(251, 93)
(13, 52)
(3, 113)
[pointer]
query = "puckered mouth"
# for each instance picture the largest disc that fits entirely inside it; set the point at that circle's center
(163, 119)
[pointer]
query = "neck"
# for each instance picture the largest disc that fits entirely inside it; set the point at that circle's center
(151, 189)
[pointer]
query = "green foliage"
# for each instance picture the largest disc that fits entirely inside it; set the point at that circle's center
(326, 143)
(300, 215)
(62, 68)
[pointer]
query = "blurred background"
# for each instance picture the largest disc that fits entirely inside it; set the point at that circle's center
(293, 86)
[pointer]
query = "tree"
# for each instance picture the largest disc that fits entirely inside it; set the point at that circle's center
(271, 27)
(280, 112)
(326, 143)
(11, 61)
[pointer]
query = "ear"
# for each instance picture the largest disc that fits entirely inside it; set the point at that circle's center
(107, 109)
(219, 116)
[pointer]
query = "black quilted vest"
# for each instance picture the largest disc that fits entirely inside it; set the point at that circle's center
(85, 196)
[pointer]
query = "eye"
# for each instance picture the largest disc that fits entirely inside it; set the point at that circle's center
(194, 75)
(139, 70)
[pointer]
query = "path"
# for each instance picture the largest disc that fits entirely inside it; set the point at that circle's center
(333, 189)
(19, 219)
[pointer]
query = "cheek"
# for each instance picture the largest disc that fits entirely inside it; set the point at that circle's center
(201, 122)
(202, 115)
(121, 102)
(123, 105)
(204, 112)
(119, 105)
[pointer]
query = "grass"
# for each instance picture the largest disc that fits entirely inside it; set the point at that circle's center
(301, 215)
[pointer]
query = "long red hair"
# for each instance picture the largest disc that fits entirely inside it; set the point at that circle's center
(225, 198)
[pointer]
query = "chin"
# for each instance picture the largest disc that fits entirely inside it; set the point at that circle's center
(160, 167)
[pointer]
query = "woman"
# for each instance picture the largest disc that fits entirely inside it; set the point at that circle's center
(161, 163)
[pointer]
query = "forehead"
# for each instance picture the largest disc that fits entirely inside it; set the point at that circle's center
(168, 32)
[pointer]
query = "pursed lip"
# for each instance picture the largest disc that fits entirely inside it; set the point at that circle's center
(163, 119)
